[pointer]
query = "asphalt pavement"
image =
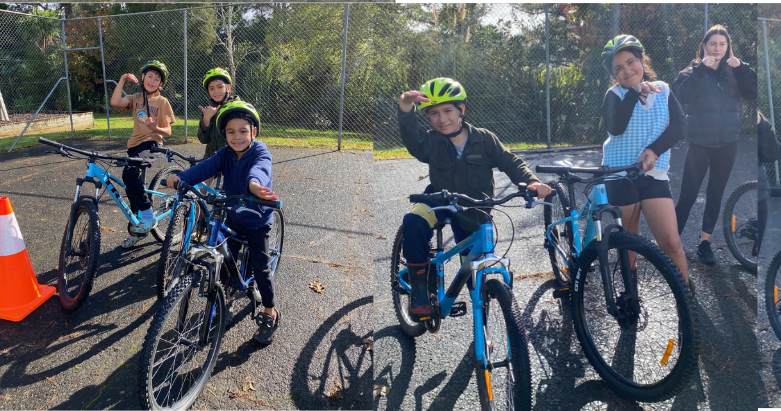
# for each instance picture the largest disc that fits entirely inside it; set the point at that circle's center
(88, 359)
(435, 371)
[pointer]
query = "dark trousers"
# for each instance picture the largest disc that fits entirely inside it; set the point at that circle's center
(134, 183)
(257, 240)
(699, 159)
(418, 233)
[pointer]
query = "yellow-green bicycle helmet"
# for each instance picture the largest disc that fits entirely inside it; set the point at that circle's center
(237, 109)
(620, 42)
(158, 66)
(442, 90)
(216, 74)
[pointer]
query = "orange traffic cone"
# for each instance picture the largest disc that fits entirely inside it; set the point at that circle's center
(20, 292)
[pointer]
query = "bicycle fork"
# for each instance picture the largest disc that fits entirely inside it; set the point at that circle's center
(622, 306)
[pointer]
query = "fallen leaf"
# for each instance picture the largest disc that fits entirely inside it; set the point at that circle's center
(363, 210)
(380, 390)
(368, 344)
(114, 211)
(43, 219)
(381, 237)
(311, 242)
(51, 381)
(347, 270)
(437, 337)
(251, 387)
(316, 286)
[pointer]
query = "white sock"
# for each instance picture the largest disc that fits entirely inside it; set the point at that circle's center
(147, 214)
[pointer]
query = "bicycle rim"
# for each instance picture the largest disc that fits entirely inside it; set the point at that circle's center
(171, 264)
(276, 240)
(175, 370)
(561, 237)
(740, 224)
(506, 384)
(772, 297)
(651, 356)
(77, 269)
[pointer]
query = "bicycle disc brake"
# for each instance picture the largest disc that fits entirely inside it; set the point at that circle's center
(628, 310)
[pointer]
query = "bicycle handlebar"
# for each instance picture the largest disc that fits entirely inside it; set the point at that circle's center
(64, 150)
(170, 152)
(595, 171)
(446, 198)
(220, 200)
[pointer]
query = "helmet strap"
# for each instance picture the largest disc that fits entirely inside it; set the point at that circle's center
(452, 135)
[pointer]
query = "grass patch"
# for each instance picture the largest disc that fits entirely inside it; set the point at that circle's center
(271, 134)
(401, 152)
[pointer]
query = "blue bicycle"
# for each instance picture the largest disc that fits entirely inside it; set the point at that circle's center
(80, 251)
(631, 311)
(501, 354)
(183, 341)
(188, 227)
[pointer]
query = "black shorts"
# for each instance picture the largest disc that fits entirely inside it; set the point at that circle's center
(626, 192)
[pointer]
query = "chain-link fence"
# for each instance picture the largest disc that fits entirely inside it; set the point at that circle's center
(769, 81)
(286, 59)
(500, 52)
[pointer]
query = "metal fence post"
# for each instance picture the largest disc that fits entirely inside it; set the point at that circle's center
(185, 75)
(105, 87)
(769, 88)
(616, 19)
(344, 55)
(547, 72)
(67, 80)
(705, 29)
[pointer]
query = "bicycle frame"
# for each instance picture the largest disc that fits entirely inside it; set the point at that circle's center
(481, 243)
(595, 206)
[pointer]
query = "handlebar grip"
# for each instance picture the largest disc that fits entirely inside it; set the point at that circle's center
(155, 149)
(164, 182)
(544, 169)
(48, 142)
(418, 198)
(267, 203)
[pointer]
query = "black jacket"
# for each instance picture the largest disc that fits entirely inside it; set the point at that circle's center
(713, 113)
(472, 174)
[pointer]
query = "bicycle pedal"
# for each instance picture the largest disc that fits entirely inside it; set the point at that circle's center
(562, 292)
(458, 309)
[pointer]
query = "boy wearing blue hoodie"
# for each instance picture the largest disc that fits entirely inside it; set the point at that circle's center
(246, 166)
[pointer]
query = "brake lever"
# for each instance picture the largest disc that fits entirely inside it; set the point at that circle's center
(535, 203)
(242, 209)
(451, 207)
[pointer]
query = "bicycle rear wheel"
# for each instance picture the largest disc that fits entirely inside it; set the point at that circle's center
(506, 383)
(171, 265)
(740, 224)
(652, 352)
(77, 268)
(174, 366)
(162, 205)
(400, 296)
(772, 302)
(561, 235)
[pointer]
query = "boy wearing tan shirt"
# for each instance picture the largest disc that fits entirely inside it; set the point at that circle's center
(153, 118)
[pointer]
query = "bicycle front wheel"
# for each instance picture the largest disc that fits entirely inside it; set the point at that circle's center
(161, 205)
(505, 383)
(740, 224)
(650, 352)
(175, 366)
(171, 264)
(401, 297)
(79, 256)
(276, 238)
(561, 235)
(772, 283)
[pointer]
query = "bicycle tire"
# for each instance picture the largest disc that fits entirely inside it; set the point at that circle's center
(170, 266)
(176, 307)
(771, 295)
(561, 235)
(88, 233)
(736, 221)
(400, 304)
(159, 205)
(517, 393)
(588, 293)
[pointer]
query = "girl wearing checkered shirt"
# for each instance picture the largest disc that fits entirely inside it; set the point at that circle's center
(643, 120)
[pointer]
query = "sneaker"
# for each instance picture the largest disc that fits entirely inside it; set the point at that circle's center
(132, 240)
(705, 253)
(419, 304)
(265, 334)
(143, 227)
